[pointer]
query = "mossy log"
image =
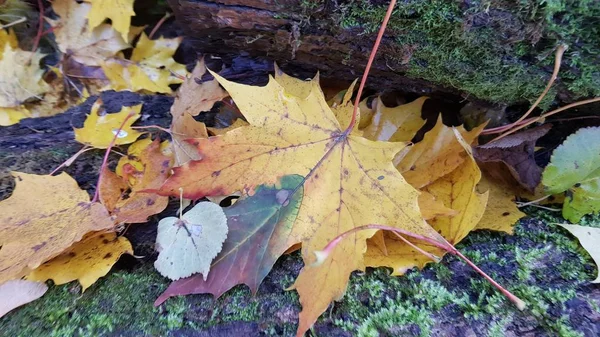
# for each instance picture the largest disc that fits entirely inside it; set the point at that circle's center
(498, 51)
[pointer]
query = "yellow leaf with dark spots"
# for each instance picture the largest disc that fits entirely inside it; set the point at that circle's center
(86, 261)
(100, 128)
(44, 216)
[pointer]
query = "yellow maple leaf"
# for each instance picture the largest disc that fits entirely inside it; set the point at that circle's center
(349, 181)
(118, 11)
(86, 261)
(221, 131)
(398, 124)
(34, 228)
(501, 212)
(20, 77)
(100, 127)
(8, 37)
(457, 191)
(151, 67)
(77, 40)
(438, 154)
(10, 116)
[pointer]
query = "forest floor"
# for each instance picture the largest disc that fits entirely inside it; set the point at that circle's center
(541, 263)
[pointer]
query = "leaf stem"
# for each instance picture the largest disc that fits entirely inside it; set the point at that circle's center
(40, 31)
(388, 14)
(323, 254)
(105, 160)
(158, 24)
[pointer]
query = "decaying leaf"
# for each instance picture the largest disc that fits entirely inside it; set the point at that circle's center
(35, 228)
(77, 40)
(151, 67)
(589, 238)
(399, 124)
(188, 245)
(192, 98)
(125, 196)
(438, 154)
(195, 95)
(516, 151)
(15, 293)
(349, 180)
(100, 128)
(259, 227)
(575, 168)
(118, 11)
(86, 261)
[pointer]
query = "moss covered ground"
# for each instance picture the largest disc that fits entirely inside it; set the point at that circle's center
(496, 50)
(541, 263)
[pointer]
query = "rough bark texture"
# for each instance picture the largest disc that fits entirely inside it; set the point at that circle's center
(492, 50)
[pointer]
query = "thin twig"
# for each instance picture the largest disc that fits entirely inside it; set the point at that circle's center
(553, 112)
(38, 37)
(557, 61)
(388, 14)
(105, 160)
(417, 248)
(523, 204)
(21, 20)
(158, 24)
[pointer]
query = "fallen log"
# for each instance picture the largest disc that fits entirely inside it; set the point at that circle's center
(451, 48)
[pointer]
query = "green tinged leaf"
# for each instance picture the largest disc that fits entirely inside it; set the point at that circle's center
(575, 168)
(188, 245)
(590, 240)
(259, 232)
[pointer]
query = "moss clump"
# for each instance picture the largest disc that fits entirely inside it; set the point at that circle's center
(495, 50)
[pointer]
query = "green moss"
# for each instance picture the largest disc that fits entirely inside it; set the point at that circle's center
(123, 299)
(391, 321)
(494, 50)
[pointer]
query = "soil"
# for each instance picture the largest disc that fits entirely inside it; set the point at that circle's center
(541, 263)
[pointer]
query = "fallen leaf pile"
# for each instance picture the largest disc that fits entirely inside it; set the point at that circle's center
(308, 171)
(91, 59)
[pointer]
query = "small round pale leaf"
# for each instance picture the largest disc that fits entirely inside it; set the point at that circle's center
(189, 245)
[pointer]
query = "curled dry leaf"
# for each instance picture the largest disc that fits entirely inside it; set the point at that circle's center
(16, 293)
(516, 152)
(348, 181)
(100, 127)
(193, 97)
(86, 261)
(35, 228)
(188, 245)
